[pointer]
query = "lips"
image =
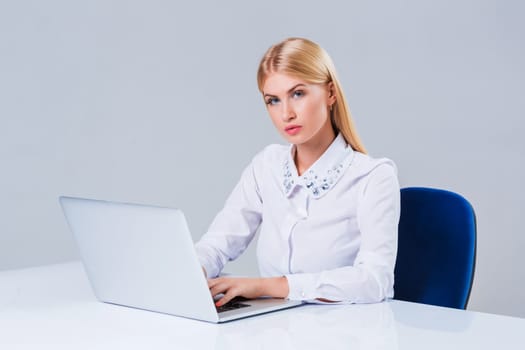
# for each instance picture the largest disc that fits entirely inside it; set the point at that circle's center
(292, 129)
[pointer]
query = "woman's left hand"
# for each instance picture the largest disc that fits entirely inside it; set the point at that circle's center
(247, 287)
(233, 286)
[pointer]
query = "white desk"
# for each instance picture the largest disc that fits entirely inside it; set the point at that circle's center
(52, 307)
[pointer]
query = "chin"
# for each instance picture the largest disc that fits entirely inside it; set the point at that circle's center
(296, 140)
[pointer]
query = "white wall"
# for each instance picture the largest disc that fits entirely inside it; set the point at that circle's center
(156, 102)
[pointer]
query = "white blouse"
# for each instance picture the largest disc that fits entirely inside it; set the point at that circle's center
(332, 231)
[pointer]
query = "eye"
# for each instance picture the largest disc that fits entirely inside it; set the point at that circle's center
(298, 93)
(272, 101)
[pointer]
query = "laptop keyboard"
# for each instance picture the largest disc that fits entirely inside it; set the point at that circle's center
(233, 304)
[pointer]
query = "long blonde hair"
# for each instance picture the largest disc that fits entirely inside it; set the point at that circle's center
(307, 61)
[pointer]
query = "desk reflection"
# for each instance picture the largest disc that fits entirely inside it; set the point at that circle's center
(411, 315)
(370, 326)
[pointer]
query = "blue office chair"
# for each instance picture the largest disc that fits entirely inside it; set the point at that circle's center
(436, 248)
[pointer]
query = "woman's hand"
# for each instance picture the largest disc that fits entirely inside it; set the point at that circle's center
(247, 287)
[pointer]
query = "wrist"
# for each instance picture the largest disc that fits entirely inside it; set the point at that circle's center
(276, 287)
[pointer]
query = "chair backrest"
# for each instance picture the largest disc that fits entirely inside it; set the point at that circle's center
(437, 248)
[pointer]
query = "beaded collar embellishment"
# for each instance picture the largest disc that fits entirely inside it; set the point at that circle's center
(318, 182)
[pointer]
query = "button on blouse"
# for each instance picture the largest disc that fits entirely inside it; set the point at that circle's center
(331, 231)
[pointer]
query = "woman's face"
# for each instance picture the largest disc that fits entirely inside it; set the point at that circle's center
(299, 110)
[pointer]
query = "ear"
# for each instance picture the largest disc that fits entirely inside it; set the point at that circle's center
(331, 94)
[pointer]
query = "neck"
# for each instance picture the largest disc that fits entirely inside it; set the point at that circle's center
(309, 152)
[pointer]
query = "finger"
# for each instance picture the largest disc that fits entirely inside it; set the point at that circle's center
(220, 286)
(226, 298)
(218, 289)
(214, 281)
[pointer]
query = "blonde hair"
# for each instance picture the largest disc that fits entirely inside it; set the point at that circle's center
(307, 61)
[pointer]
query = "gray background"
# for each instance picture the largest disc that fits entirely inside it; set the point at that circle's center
(156, 102)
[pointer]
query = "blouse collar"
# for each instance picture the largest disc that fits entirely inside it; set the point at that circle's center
(323, 174)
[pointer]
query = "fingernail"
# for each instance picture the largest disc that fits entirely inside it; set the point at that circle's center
(218, 303)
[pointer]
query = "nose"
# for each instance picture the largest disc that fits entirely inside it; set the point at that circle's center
(288, 112)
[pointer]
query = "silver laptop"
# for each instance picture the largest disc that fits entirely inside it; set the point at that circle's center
(143, 257)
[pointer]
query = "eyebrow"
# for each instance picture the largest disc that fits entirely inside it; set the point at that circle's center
(289, 90)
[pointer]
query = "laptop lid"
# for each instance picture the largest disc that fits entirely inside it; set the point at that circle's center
(143, 256)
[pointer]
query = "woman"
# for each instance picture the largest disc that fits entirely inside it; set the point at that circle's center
(327, 212)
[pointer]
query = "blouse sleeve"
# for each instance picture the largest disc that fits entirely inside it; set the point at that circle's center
(371, 277)
(234, 226)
